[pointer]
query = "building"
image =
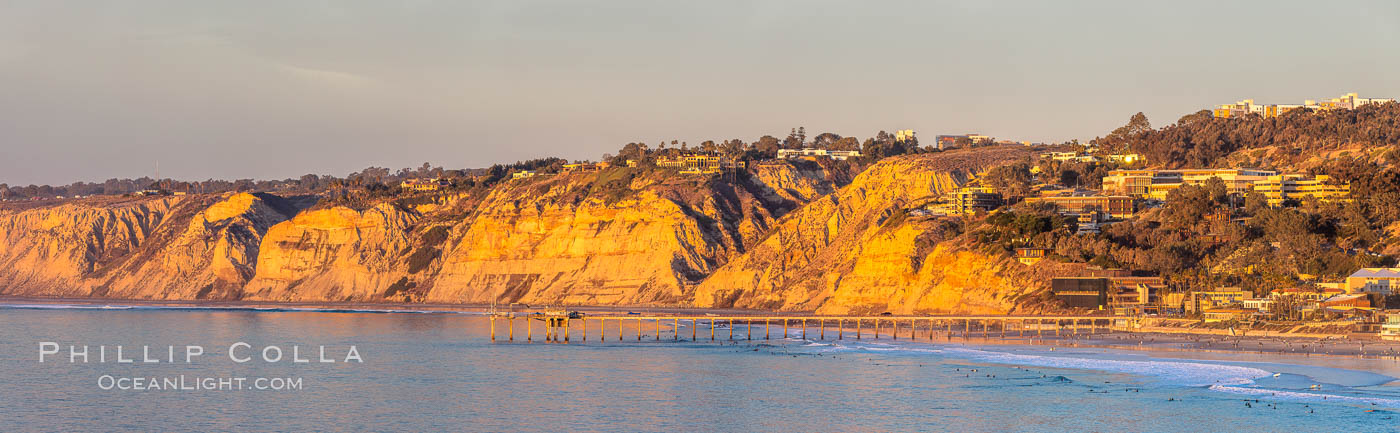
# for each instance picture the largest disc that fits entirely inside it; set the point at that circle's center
(1374, 280)
(423, 185)
(523, 174)
(1157, 184)
(1390, 330)
(971, 200)
(1133, 183)
(1070, 156)
(951, 141)
(700, 164)
(1349, 101)
(904, 135)
(1125, 158)
(1086, 293)
(813, 153)
(1280, 188)
(1116, 206)
(1031, 256)
(1227, 314)
(1341, 303)
(1220, 298)
(1130, 296)
(1263, 305)
(586, 166)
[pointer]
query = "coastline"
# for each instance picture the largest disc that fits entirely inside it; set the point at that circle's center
(1179, 341)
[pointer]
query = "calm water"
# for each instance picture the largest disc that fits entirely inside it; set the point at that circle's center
(439, 371)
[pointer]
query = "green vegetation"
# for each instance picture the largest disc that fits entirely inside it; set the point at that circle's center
(1202, 237)
(1202, 140)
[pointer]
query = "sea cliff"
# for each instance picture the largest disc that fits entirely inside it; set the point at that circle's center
(785, 235)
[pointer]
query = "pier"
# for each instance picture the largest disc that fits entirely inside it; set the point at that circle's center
(555, 327)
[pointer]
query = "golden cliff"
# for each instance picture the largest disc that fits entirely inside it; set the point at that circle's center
(794, 236)
(858, 251)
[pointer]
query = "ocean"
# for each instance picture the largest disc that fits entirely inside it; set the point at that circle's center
(432, 371)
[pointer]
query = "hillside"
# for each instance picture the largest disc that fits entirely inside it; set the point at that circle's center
(618, 236)
(781, 235)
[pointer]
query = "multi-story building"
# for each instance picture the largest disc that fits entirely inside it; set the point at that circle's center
(1374, 280)
(1245, 107)
(523, 174)
(1086, 293)
(1280, 188)
(1224, 297)
(903, 135)
(1390, 330)
(1031, 256)
(1070, 156)
(814, 153)
(1116, 206)
(1135, 295)
(1133, 183)
(1157, 184)
(971, 200)
(700, 164)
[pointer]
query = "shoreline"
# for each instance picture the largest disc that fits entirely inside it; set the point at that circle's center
(1146, 340)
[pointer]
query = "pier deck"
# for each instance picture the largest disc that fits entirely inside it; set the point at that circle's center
(557, 327)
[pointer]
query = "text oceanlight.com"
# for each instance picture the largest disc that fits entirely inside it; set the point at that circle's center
(184, 383)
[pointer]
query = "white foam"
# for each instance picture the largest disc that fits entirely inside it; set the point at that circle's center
(1180, 373)
(1274, 394)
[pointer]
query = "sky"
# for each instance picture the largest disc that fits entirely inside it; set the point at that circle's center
(92, 90)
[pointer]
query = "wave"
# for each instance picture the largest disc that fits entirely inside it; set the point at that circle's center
(1306, 397)
(1176, 373)
(1180, 373)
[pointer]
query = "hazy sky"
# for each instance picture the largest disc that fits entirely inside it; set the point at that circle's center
(239, 89)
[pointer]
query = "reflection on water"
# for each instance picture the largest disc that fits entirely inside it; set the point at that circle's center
(440, 372)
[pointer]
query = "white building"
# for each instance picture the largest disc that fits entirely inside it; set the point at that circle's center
(813, 153)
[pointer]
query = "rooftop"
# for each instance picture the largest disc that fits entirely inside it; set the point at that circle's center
(1376, 273)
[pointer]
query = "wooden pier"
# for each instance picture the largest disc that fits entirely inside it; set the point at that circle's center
(557, 327)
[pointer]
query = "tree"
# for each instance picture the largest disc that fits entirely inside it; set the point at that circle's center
(793, 140)
(825, 140)
(1012, 180)
(767, 146)
(1286, 306)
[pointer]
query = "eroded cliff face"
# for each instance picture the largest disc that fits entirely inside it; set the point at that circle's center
(787, 235)
(333, 254)
(638, 240)
(190, 247)
(857, 251)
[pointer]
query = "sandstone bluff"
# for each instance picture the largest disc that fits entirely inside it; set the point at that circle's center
(787, 236)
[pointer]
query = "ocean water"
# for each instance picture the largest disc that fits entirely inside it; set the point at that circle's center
(440, 371)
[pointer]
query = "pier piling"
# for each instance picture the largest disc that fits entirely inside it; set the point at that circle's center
(556, 327)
